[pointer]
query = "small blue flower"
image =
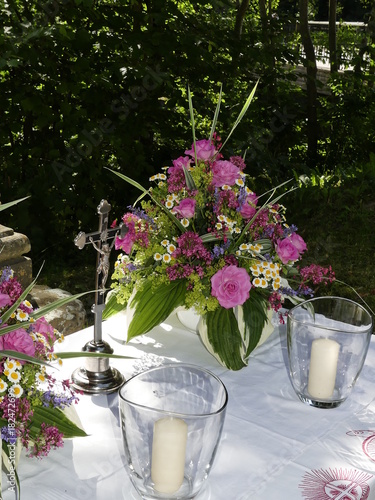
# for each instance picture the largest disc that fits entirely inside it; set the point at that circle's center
(9, 435)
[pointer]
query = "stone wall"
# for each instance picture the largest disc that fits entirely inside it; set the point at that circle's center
(13, 246)
(67, 319)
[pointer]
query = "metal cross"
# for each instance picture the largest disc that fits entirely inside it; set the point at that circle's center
(100, 241)
(97, 377)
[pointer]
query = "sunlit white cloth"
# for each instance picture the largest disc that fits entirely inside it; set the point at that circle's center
(273, 446)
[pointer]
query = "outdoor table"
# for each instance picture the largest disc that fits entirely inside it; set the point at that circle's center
(273, 446)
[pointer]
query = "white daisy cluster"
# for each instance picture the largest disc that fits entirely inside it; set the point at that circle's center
(251, 248)
(265, 272)
(166, 256)
(12, 372)
(224, 221)
(159, 177)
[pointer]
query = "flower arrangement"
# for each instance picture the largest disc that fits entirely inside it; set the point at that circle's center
(205, 240)
(33, 404)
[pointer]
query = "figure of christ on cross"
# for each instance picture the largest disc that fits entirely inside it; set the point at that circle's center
(103, 266)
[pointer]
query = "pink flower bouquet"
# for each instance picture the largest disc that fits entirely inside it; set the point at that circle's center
(205, 240)
(33, 403)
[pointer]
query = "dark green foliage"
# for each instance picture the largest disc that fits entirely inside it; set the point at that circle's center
(90, 84)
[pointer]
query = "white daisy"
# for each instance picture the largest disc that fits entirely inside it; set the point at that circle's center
(3, 386)
(16, 391)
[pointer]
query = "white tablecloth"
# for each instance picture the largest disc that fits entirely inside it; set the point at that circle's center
(273, 446)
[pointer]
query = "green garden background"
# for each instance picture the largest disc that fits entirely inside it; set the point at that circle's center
(87, 85)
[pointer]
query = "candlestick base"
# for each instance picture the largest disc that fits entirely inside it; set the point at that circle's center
(97, 377)
(97, 382)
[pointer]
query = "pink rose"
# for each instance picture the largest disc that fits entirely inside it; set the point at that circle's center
(248, 209)
(186, 208)
(298, 242)
(205, 150)
(231, 286)
(4, 300)
(18, 340)
(182, 161)
(224, 173)
(286, 250)
(44, 328)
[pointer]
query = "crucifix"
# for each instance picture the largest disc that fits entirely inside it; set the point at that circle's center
(97, 377)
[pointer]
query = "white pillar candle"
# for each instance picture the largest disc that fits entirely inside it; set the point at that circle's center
(168, 454)
(323, 368)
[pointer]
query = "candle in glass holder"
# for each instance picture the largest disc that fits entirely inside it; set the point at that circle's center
(323, 368)
(168, 454)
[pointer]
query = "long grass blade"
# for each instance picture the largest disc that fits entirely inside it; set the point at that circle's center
(5, 206)
(42, 311)
(192, 121)
(145, 191)
(216, 115)
(9, 353)
(129, 180)
(83, 354)
(242, 113)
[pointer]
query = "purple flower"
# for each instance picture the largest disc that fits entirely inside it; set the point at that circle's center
(4, 300)
(11, 287)
(6, 274)
(176, 177)
(238, 161)
(9, 435)
(231, 286)
(191, 246)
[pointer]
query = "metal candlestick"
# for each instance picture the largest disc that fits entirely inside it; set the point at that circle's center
(97, 377)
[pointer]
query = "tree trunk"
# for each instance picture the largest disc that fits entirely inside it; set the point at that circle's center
(241, 11)
(311, 71)
(264, 19)
(332, 36)
(371, 29)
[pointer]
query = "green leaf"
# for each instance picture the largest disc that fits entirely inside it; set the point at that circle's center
(255, 317)
(56, 418)
(189, 180)
(225, 338)
(112, 306)
(151, 307)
